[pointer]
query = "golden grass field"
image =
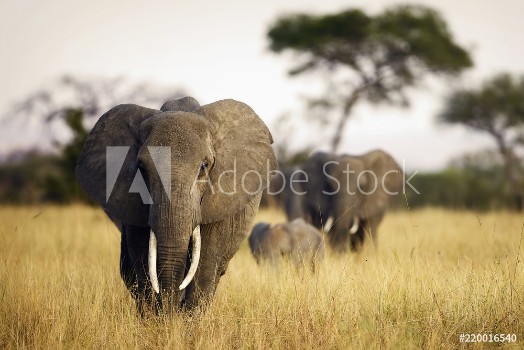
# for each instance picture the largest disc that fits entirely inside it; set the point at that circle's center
(435, 274)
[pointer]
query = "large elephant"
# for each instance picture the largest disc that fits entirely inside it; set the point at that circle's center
(183, 185)
(296, 240)
(348, 195)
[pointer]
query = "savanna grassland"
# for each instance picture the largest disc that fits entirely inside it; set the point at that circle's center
(435, 274)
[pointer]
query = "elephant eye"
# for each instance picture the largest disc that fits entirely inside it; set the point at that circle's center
(204, 165)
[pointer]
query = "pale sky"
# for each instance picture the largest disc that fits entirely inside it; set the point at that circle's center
(218, 49)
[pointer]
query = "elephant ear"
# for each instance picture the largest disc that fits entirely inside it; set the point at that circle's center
(107, 164)
(243, 158)
(388, 177)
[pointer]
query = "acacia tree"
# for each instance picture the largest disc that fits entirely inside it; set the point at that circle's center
(495, 108)
(374, 58)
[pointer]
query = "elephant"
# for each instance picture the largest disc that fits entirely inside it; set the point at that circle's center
(348, 195)
(168, 179)
(285, 191)
(297, 240)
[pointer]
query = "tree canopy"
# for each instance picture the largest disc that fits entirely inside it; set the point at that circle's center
(381, 54)
(496, 108)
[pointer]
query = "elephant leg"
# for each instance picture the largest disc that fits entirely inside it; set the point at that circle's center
(215, 257)
(357, 239)
(137, 244)
(220, 241)
(297, 257)
(314, 217)
(127, 271)
(368, 230)
(205, 280)
(338, 238)
(372, 225)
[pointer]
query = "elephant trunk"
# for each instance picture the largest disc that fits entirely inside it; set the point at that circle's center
(153, 274)
(173, 223)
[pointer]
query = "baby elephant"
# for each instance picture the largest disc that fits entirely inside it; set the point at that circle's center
(296, 240)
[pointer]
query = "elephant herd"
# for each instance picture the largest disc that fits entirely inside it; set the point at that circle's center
(183, 184)
(344, 196)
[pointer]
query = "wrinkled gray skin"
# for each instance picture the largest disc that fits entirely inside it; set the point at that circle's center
(283, 194)
(296, 240)
(349, 203)
(205, 141)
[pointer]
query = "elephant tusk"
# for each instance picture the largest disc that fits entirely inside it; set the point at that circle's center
(354, 227)
(327, 225)
(152, 262)
(194, 261)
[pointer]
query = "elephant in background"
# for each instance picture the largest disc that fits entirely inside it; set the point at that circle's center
(285, 194)
(296, 240)
(165, 179)
(347, 195)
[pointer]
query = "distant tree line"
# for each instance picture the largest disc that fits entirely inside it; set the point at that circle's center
(34, 176)
(474, 181)
(495, 108)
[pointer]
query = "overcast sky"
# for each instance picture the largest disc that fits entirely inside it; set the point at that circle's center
(218, 49)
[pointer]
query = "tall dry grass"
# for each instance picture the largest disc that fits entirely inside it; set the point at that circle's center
(435, 274)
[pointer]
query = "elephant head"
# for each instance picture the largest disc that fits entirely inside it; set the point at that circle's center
(190, 175)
